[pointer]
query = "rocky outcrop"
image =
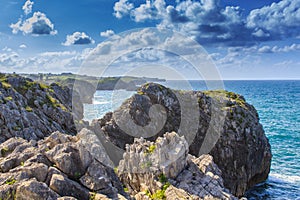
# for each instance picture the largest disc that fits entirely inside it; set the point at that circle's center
(164, 170)
(241, 149)
(33, 110)
(58, 167)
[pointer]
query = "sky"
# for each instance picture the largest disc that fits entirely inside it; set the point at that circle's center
(257, 39)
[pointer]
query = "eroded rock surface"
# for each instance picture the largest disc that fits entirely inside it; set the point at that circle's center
(173, 174)
(57, 167)
(241, 149)
(33, 110)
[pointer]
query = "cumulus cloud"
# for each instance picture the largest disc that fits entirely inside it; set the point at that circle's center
(107, 33)
(205, 21)
(122, 8)
(211, 23)
(27, 7)
(78, 38)
(38, 24)
(279, 20)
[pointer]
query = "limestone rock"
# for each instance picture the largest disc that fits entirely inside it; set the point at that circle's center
(241, 149)
(66, 187)
(173, 174)
(33, 189)
(32, 110)
(60, 166)
(72, 159)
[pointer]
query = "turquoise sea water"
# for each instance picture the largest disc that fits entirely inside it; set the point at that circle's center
(278, 105)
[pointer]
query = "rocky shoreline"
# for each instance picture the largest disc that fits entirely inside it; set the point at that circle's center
(48, 152)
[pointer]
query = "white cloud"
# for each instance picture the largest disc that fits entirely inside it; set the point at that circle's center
(122, 8)
(78, 38)
(276, 49)
(58, 53)
(209, 22)
(8, 58)
(107, 33)
(27, 7)
(280, 19)
(38, 24)
(55, 62)
(23, 46)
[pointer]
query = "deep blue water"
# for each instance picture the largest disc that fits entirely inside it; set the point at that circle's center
(278, 105)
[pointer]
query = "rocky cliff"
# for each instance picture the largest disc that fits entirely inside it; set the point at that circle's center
(69, 167)
(33, 110)
(155, 167)
(241, 149)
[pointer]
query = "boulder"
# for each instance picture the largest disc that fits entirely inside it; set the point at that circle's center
(33, 189)
(66, 187)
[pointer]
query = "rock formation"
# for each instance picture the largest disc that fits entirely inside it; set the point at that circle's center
(36, 167)
(164, 170)
(58, 167)
(242, 150)
(33, 110)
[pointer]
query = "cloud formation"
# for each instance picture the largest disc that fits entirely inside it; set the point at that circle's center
(278, 21)
(36, 25)
(122, 8)
(107, 33)
(211, 23)
(27, 7)
(78, 38)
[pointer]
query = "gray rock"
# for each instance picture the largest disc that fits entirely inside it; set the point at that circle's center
(66, 187)
(33, 189)
(71, 158)
(32, 110)
(171, 166)
(227, 127)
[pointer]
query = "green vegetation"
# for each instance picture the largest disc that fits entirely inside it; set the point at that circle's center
(9, 98)
(11, 181)
(126, 189)
(116, 170)
(4, 150)
(150, 149)
(77, 175)
(22, 164)
(92, 196)
(54, 103)
(162, 178)
(28, 109)
(217, 94)
(6, 85)
(160, 194)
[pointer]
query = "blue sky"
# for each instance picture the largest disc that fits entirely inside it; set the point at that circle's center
(257, 39)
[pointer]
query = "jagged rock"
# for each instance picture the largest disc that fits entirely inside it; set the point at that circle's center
(71, 158)
(33, 189)
(241, 149)
(190, 177)
(173, 193)
(167, 155)
(66, 187)
(60, 164)
(33, 110)
(92, 143)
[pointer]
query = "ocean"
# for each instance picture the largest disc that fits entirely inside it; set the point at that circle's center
(278, 105)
